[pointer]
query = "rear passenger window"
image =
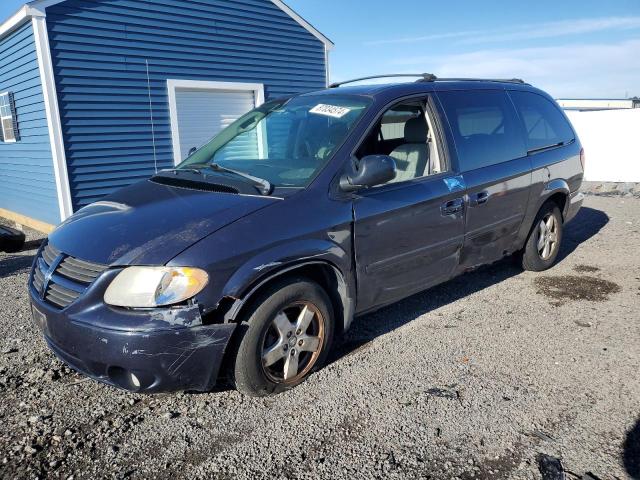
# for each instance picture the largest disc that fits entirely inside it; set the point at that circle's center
(485, 127)
(544, 124)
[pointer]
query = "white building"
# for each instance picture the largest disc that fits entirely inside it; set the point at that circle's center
(599, 104)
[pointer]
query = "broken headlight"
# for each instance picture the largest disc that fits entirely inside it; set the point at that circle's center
(146, 287)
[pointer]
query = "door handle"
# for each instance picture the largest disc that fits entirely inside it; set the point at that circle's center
(480, 198)
(452, 207)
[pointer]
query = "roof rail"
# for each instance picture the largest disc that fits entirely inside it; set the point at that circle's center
(499, 80)
(429, 77)
(424, 77)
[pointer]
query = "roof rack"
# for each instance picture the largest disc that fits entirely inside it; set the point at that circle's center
(498, 80)
(429, 77)
(424, 77)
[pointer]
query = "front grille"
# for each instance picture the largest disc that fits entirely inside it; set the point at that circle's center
(69, 279)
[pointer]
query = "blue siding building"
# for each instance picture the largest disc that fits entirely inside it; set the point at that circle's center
(106, 92)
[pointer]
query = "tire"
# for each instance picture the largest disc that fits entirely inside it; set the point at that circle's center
(273, 353)
(11, 240)
(536, 257)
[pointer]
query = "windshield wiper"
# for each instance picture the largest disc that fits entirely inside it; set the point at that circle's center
(261, 184)
(264, 186)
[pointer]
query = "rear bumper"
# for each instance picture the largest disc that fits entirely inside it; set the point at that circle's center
(575, 203)
(145, 361)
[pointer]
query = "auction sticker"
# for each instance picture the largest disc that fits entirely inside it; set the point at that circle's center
(330, 110)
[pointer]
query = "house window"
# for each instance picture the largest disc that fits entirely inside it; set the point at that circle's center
(8, 118)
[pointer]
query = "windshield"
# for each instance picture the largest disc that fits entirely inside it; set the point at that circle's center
(286, 142)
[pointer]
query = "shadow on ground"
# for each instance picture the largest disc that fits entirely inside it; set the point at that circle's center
(12, 264)
(631, 455)
(586, 224)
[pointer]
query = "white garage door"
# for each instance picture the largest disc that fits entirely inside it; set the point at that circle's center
(203, 113)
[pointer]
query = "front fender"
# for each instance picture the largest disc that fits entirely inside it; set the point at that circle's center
(285, 258)
(282, 257)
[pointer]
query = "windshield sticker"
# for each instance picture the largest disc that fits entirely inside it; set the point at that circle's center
(330, 110)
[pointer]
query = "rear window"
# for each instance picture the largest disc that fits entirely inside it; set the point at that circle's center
(544, 123)
(485, 127)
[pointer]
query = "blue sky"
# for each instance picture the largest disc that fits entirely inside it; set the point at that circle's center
(571, 48)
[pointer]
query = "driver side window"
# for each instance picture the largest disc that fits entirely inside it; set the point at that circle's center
(405, 133)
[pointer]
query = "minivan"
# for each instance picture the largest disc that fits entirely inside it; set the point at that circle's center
(261, 248)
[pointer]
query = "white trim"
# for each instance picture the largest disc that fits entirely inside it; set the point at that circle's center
(19, 18)
(327, 66)
(43, 52)
(310, 28)
(174, 84)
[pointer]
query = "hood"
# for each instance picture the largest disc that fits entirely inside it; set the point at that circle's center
(149, 224)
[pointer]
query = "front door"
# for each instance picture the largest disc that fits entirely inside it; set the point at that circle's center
(408, 233)
(407, 238)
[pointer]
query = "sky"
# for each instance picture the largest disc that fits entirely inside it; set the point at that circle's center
(570, 48)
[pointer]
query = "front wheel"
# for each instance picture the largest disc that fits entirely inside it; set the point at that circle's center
(543, 244)
(285, 338)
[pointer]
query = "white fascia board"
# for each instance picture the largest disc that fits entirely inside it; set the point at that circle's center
(175, 84)
(310, 28)
(17, 19)
(45, 65)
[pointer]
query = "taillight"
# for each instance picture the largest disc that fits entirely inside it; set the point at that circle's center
(582, 158)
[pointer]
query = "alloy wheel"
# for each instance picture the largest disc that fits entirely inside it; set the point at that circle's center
(547, 236)
(293, 342)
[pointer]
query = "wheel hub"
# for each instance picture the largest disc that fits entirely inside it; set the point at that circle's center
(293, 342)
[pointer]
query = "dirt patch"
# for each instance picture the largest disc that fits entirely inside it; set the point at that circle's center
(572, 287)
(586, 269)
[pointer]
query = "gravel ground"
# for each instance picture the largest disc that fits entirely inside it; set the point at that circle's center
(473, 379)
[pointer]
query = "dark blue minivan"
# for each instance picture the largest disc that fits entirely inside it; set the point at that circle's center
(263, 245)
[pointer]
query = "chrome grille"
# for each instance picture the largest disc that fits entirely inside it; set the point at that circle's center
(69, 280)
(79, 270)
(61, 296)
(38, 279)
(49, 254)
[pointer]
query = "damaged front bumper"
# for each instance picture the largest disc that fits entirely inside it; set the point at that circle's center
(152, 351)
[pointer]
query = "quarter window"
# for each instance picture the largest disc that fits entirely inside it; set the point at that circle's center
(485, 127)
(544, 124)
(8, 118)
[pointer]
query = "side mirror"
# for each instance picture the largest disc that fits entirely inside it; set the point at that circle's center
(372, 170)
(192, 151)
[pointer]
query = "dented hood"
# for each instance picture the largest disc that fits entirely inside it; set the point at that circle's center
(149, 224)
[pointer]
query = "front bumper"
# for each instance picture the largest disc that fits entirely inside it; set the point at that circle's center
(151, 358)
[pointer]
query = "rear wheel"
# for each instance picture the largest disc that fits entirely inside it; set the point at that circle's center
(286, 337)
(543, 244)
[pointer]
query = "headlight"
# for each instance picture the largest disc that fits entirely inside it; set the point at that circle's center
(145, 287)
